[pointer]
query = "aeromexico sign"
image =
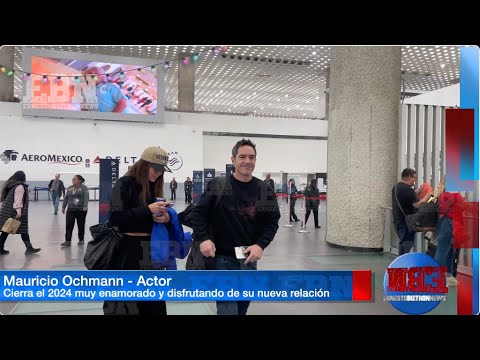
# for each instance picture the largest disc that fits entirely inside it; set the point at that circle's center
(10, 155)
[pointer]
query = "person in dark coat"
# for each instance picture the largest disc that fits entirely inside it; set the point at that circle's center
(270, 181)
(188, 185)
(173, 189)
(14, 198)
(293, 200)
(312, 201)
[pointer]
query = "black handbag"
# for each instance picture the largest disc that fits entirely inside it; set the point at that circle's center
(101, 251)
(195, 258)
(411, 221)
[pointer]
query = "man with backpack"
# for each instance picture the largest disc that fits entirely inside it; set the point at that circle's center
(235, 219)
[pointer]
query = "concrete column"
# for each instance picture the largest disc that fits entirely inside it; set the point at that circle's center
(6, 82)
(186, 84)
(364, 103)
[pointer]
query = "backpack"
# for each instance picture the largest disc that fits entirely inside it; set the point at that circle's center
(195, 259)
(427, 215)
(424, 219)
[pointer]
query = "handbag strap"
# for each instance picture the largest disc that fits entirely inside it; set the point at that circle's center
(398, 202)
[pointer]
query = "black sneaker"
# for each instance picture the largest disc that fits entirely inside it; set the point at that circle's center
(66, 244)
(317, 227)
(54, 213)
(31, 251)
(81, 242)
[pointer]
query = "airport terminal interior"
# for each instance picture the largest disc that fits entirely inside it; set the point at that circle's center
(349, 117)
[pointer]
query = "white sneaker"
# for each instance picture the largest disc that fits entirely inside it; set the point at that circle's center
(451, 281)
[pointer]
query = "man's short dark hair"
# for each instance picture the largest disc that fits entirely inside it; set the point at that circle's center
(243, 142)
(408, 173)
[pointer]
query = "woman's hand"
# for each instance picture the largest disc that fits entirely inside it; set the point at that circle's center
(158, 207)
(162, 219)
(159, 212)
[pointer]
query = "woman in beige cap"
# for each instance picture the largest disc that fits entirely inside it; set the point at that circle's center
(134, 210)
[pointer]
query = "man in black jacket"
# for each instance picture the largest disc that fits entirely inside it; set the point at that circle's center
(57, 189)
(270, 181)
(241, 224)
(188, 186)
(173, 189)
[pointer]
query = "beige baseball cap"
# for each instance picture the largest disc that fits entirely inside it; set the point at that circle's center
(157, 157)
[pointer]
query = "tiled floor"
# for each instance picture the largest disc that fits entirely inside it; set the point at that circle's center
(289, 251)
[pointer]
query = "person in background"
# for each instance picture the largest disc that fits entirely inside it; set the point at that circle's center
(76, 199)
(173, 189)
(270, 181)
(57, 189)
(14, 198)
(188, 186)
(407, 198)
(236, 225)
(449, 208)
(312, 201)
(134, 210)
(293, 200)
(110, 97)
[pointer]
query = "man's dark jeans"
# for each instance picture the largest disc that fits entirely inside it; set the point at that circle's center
(406, 238)
(233, 307)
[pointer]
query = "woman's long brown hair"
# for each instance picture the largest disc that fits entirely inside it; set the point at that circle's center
(18, 176)
(139, 171)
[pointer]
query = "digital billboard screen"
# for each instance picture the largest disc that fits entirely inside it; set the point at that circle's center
(91, 86)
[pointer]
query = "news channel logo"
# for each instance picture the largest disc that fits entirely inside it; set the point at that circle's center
(415, 283)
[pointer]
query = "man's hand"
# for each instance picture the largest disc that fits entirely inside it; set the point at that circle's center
(427, 196)
(254, 252)
(63, 211)
(207, 248)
